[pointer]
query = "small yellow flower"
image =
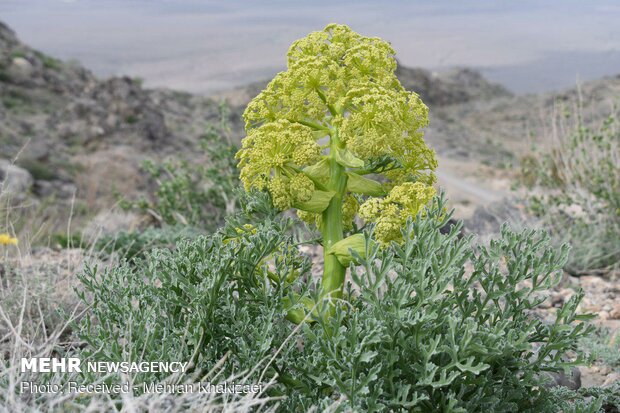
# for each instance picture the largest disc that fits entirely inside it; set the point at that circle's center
(280, 194)
(246, 228)
(6, 239)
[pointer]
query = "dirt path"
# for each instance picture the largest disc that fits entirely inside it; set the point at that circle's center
(469, 184)
(469, 189)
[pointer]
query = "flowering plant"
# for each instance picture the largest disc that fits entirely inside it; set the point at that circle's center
(7, 239)
(336, 136)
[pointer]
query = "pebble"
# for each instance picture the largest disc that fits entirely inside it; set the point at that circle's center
(611, 379)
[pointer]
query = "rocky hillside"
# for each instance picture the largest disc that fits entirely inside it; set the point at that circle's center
(74, 132)
(502, 129)
(455, 86)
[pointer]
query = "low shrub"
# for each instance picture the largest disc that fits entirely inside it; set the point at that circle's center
(434, 324)
(135, 244)
(587, 400)
(574, 188)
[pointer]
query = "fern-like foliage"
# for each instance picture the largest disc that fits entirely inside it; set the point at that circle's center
(433, 324)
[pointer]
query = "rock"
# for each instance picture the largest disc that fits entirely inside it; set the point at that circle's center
(448, 226)
(611, 379)
(43, 188)
(154, 127)
(13, 179)
(488, 219)
(615, 312)
(109, 223)
(67, 190)
(58, 188)
(572, 381)
(97, 131)
(587, 305)
(7, 37)
(20, 70)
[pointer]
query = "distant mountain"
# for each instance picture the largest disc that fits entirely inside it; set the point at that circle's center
(450, 87)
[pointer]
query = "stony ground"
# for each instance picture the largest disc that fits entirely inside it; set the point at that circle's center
(602, 298)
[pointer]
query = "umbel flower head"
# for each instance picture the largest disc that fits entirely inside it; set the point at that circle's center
(337, 130)
(390, 213)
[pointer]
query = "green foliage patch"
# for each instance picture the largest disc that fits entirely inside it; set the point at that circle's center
(605, 346)
(434, 324)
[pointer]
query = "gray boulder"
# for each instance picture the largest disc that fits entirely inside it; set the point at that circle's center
(13, 179)
(20, 70)
(571, 381)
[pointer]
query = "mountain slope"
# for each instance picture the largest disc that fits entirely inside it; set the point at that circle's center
(75, 132)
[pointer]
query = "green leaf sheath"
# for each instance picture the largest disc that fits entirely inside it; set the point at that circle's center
(332, 228)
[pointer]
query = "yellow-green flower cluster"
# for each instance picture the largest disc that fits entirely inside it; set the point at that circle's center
(341, 85)
(6, 239)
(350, 206)
(388, 122)
(310, 218)
(284, 192)
(271, 157)
(390, 213)
(321, 68)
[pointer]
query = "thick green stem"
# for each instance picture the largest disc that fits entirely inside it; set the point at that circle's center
(332, 227)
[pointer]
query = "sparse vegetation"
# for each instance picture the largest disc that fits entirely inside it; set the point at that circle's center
(136, 244)
(38, 169)
(576, 191)
(4, 76)
(14, 100)
(605, 346)
(48, 61)
(197, 194)
(587, 400)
